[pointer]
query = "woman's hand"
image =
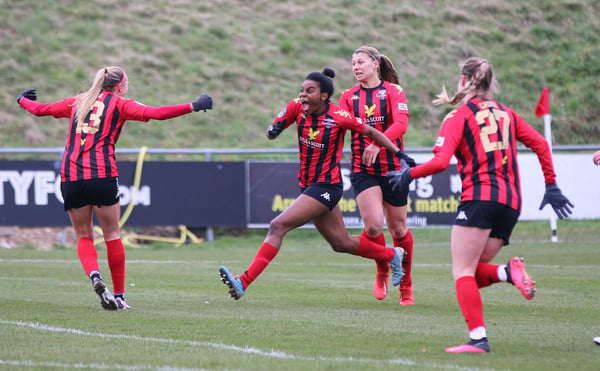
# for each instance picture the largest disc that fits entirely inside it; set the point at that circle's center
(370, 154)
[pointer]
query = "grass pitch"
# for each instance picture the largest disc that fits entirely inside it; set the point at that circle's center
(312, 309)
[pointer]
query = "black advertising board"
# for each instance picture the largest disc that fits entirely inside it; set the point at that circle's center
(205, 194)
(272, 186)
(194, 194)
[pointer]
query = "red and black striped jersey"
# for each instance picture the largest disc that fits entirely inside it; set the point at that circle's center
(90, 148)
(384, 108)
(482, 135)
(320, 140)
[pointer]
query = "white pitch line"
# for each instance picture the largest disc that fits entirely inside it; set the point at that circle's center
(216, 263)
(217, 345)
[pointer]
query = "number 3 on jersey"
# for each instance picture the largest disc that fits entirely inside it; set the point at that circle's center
(490, 136)
(93, 123)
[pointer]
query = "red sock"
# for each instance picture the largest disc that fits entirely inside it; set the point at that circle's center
(115, 253)
(406, 243)
(383, 266)
(371, 250)
(88, 256)
(486, 274)
(266, 253)
(469, 300)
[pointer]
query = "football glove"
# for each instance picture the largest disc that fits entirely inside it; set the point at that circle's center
(400, 179)
(28, 93)
(408, 160)
(203, 102)
(553, 196)
(275, 129)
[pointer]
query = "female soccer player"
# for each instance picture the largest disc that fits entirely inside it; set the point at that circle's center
(89, 175)
(321, 126)
(379, 101)
(482, 133)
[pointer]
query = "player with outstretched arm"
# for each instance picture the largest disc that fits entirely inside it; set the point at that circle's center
(482, 133)
(321, 126)
(89, 174)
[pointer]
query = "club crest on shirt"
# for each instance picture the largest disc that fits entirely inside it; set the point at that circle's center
(381, 94)
(328, 123)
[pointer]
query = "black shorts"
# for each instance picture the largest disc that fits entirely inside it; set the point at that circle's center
(326, 193)
(500, 218)
(362, 181)
(97, 192)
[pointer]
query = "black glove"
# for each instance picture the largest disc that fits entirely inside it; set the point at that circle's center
(554, 197)
(203, 102)
(400, 179)
(403, 156)
(28, 93)
(275, 129)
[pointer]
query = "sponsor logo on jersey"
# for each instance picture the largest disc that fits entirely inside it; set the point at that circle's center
(282, 113)
(118, 188)
(402, 107)
(369, 111)
(343, 113)
(398, 87)
(371, 121)
(311, 143)
(312, 134)
(439, 142)
(311, 140)
(449, 115)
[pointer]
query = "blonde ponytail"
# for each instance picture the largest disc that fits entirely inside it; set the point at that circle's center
(480, 80)
(106, 79)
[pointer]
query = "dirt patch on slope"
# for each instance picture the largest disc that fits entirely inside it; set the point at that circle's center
(41, 238)
(46, 238)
